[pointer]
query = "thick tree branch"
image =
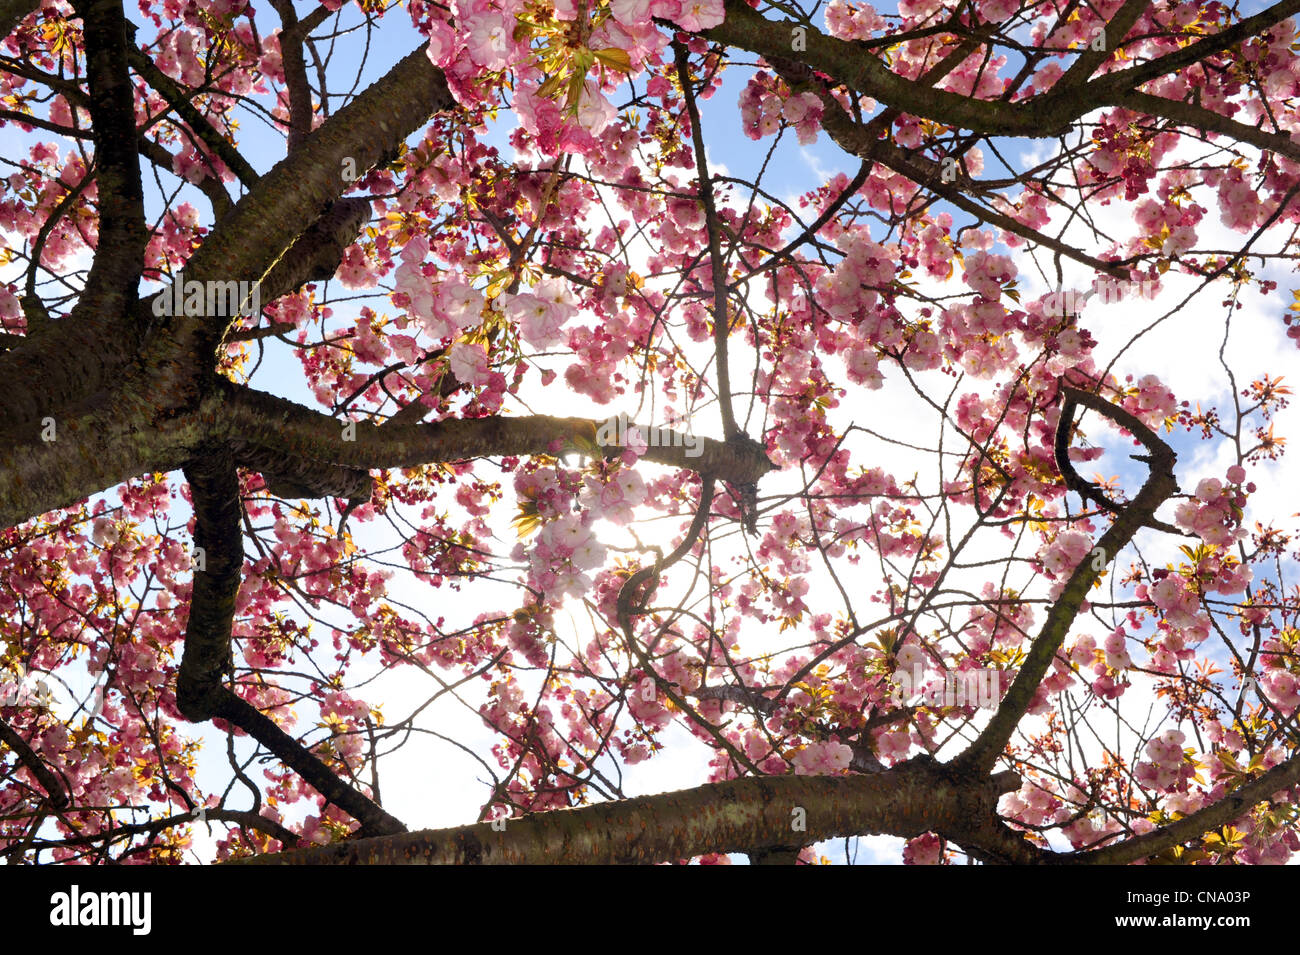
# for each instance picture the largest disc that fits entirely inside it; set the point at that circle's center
(781, 855)
(115, 273)
(296, 477)
(1192, 116)
(256, 417)
(59, 360)
(741, 815)
(14, 12)
(316, 254)
(200, 691)
(293, 195)
(219, 563)
(1044, 115)
(1091, 59)
(135, 431)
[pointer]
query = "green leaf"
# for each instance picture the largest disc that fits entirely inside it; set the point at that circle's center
(615, 59)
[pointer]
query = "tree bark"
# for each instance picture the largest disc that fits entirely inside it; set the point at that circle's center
(742, 815)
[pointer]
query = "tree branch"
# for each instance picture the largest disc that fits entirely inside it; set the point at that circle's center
(847, 63)
(293, 195)
(182, 102)
(1090, 60)
(219, 564)
(862, 141)
(1133, 77)
(254, 417)
(740, 815)
(209, 185)
(1205, 120)
(200, 692)
(295, 73)
(58, 795)
(292, 477)
(1159, 486)
(1232, 805)
(58, 359)
(14, 12)
(113, 276)
(239, 817)
(1039, 117)
(316, 254)
(374, 820)
(718, 265)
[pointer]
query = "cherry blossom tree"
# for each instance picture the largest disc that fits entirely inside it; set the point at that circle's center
(500, 397)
